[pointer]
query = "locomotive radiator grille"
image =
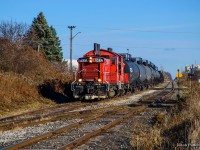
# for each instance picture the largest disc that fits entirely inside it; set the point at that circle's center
(90, 72)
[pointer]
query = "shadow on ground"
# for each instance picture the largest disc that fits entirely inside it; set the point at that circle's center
(56, 91)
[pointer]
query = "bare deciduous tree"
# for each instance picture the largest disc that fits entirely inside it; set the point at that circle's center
(12, 31)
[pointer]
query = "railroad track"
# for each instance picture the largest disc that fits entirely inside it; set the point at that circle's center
(105, 120)
(35, 112)
(29, 118)
(158, 98)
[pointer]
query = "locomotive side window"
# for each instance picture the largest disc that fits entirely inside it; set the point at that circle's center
(113, 60)
(119, 66)
(106, 56)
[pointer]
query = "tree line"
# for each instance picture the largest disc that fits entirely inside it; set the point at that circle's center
(40, 36)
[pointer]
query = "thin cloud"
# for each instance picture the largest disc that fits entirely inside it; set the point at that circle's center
(169, 49)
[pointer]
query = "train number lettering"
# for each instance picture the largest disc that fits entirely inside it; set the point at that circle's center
(98, 60)
(83, 60)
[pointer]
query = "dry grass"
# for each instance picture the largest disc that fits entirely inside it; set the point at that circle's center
(145, 138)
(194, 113)
(18, 93)
(181, 125)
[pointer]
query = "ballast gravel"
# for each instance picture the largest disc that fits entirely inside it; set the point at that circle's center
(119, 101)
(12, 137)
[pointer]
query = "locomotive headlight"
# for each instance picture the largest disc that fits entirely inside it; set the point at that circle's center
(99, 80)
(90, 59)
(80, 80)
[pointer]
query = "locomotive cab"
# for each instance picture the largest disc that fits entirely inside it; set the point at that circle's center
(89, 80)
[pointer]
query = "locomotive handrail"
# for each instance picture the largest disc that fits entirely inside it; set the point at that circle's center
(101, 73)
(97, 70)
(81, 70)
(72, 85)
(104, 73)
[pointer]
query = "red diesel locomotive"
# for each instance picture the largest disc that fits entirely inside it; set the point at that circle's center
(104, 73)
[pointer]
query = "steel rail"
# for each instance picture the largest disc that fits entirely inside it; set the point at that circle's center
(34, 111)
(55, 132)
(41, 120)
(13, 123)
(86, 137)
(151, 100)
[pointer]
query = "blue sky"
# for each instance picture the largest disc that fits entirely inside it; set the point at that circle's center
(164, 32)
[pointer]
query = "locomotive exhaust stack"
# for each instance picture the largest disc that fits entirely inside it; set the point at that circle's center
(97, 49)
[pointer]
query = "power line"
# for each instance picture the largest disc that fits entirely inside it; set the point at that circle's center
(145, 47)
(138, 30)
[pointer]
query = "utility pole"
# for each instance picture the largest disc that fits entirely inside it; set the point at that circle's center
(71, 28)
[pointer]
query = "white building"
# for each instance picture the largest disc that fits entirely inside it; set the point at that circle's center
(192, 68)
(74, 63)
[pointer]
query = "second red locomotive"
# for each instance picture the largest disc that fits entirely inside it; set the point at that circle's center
(104, 73)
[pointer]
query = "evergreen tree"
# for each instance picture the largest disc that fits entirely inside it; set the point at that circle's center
(57, 49)
(42, 37)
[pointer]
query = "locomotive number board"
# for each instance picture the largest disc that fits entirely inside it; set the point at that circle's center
(83, 60)
(98, 60)
(94, 60)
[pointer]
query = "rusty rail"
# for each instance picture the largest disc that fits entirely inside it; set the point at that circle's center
(34, 112)
(58, 131)
(41, 120)
(16, 123)
(86, 137)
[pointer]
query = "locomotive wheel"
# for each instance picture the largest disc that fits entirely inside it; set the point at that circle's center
(123, 92)
(132, 90)
(117, 93)
(141, 88)
(111, 93)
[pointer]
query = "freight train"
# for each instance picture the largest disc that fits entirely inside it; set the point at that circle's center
(104, 73)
